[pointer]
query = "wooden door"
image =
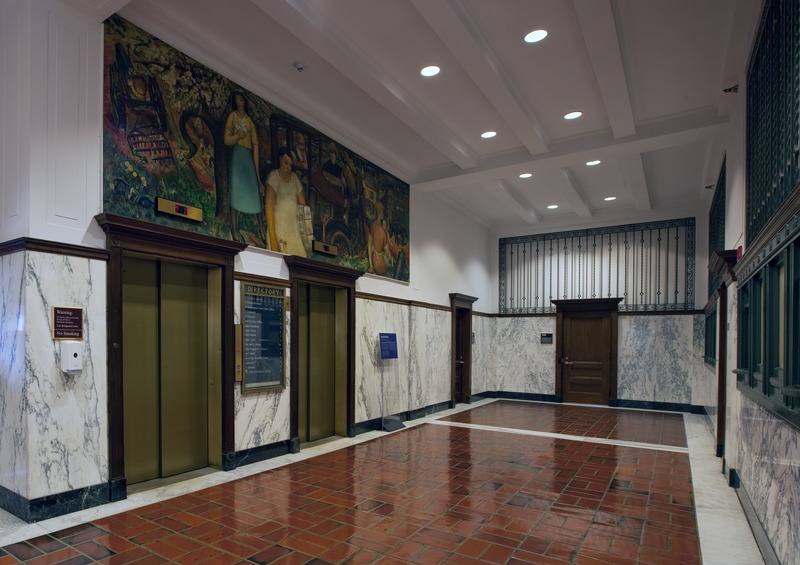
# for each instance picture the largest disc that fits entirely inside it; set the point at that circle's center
(462, 357)
(586, 350)
(586, 359)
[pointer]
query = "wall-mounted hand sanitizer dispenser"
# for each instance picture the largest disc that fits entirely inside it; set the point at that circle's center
(71, 357)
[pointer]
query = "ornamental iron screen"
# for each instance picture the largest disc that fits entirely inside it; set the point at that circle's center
(649, 265)
(716, 230)
(773, 114)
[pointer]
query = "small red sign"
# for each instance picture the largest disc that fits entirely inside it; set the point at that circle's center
(67, 323)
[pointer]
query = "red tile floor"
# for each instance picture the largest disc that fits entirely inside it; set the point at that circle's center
(434, 493)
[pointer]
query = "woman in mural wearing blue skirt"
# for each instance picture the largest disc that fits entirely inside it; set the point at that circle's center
(245, 183)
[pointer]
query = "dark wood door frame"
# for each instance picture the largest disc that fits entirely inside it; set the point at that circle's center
(302, 270)
(604, 305)
(461, 303)
(722, 263)
(128, 236)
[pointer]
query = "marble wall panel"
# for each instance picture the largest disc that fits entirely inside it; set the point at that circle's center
(430, 356)
(655, 358)
(13, 424)
(372, 399)
(704, 375)
(733, 404)
(261, 418)
(523, 363)
(484, 358)
(769, 467)
(67, 416)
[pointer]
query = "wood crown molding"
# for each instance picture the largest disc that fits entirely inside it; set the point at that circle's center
(44, 246)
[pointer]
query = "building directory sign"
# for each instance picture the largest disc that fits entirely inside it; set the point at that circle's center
(263, 337)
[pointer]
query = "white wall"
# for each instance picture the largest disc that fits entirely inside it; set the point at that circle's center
(51, 107)
(15, 45)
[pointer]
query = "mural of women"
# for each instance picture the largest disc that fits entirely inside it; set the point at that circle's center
(245, 183)
(383, 250)
(288, 215)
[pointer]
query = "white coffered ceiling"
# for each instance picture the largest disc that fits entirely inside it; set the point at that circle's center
(648, 76)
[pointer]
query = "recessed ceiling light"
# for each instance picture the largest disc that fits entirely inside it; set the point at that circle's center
(593, 163)
(535, 36)
(488, 134)
(430, 71)
(610, 198)
(525, 175)
(573, 115)
(552, 206)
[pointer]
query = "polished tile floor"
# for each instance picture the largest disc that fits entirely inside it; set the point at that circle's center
(497, 482)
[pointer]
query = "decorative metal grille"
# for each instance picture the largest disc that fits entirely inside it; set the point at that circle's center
(773, 126)
(716, 229)
(649, 265)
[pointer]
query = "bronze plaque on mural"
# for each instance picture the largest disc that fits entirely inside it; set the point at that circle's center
(263, 337)
(67, 323)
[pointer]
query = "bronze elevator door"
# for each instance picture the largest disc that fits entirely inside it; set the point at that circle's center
(586, 363)
(317, 363)
(164, 368)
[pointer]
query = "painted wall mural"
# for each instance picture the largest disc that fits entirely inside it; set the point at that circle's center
(178, 134)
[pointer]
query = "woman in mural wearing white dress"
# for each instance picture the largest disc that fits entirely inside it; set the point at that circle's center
(245, 184)
(287, 211)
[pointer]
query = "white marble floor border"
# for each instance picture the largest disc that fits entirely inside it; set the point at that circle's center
(585, 439)
(725, 536)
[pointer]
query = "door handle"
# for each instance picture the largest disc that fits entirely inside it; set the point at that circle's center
(567, 362)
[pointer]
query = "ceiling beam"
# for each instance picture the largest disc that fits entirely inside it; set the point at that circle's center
(596, 19)
(310, 27)
(98, 10)
(635, 180)
(570, 188)
(462, 36)
(515, 201)
(670, 133)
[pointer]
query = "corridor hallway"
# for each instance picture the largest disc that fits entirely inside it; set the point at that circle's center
(492, 482)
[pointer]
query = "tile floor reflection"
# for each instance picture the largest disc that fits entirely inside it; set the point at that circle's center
(494, 482)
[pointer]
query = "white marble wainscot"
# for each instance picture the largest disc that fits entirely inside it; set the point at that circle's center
(374, 317)
(484, 356)
(429, 356)
(13, 424)
(67, 416)
(263, 417)
(524, 364)
(654, 362)
(704, 375)
(704, 390)
(769, 467)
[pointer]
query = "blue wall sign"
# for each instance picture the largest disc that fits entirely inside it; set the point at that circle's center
(388, 346)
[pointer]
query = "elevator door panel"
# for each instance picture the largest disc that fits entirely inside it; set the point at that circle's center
(184, 360)
(165, 374)
(322, 363)
(140, 385)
